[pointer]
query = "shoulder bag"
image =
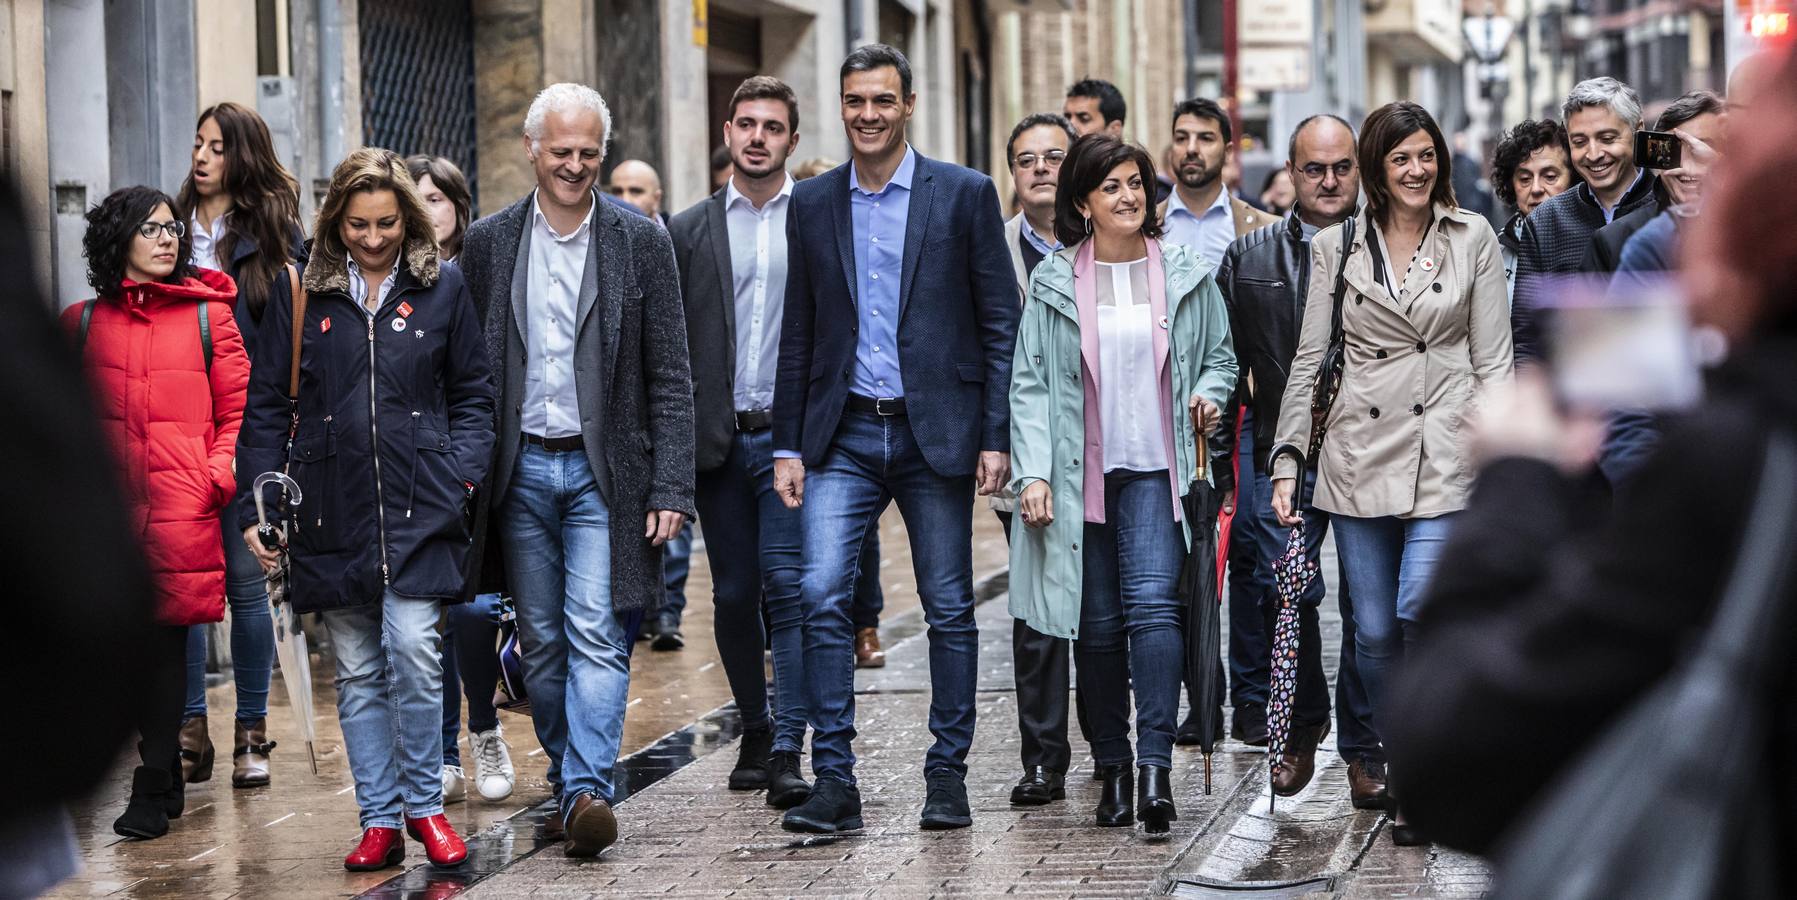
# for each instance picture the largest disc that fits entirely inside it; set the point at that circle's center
(1329, 373)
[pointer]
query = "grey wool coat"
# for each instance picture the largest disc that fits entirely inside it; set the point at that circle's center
(631, 374)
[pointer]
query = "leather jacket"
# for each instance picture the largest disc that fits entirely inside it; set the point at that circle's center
(1265, 278)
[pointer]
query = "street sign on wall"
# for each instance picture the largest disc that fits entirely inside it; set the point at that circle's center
(1274, 68)
(1275, 22)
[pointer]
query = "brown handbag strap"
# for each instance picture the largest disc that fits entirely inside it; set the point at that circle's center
(299, 325)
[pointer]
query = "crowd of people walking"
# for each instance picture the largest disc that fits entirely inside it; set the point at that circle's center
(524, 414)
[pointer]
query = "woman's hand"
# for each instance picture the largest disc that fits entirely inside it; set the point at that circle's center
(1037, 504)
(269, 558)
(1282, 501)
(1205, 415)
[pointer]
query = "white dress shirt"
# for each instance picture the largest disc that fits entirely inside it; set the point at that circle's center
(552, 300)
(205, 243)
(358, 287)
(1129, 394)
(758, 273)
(1207, 233)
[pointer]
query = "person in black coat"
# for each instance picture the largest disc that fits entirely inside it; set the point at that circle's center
(1553, 611)
(395, 395)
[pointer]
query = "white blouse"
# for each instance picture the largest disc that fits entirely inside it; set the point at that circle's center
(1129, 397)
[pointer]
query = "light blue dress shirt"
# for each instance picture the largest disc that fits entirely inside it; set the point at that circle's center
(878, 220)
(1207, 232)
(1044, 247)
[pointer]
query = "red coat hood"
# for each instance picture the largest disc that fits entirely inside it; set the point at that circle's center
(203, 285)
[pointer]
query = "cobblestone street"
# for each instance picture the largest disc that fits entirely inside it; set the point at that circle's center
(683, 834)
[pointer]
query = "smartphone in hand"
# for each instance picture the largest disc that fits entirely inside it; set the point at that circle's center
(1658, 150)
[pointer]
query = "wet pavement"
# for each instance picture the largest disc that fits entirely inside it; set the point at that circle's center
(682, 833)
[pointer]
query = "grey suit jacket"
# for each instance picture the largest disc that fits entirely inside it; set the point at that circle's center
(702, 250)
(631, 374)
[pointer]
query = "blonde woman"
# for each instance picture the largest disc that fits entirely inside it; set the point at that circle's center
(395, 427)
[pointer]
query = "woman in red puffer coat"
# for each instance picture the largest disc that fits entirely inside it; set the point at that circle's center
(168, 365)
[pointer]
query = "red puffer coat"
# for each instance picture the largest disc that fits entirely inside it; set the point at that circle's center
(173, 426)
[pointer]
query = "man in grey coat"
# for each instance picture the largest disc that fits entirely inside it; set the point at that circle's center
(594, 457)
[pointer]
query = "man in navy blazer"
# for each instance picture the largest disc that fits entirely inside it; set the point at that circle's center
(895, 366)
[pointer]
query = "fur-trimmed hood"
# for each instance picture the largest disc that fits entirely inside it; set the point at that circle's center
(328, 272)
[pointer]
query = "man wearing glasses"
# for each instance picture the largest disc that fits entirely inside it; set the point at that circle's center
(1038, 146)
(1264, 279)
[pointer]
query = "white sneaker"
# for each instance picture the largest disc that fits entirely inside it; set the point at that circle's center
(493, 774)
(455, 788)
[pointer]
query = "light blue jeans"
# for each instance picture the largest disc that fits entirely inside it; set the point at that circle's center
(390, 704)
(1388, 562)
(557, 533)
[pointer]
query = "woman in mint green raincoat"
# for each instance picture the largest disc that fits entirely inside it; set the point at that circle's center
(1124, 342)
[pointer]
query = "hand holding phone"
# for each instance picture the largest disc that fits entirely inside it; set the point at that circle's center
(1659, 150)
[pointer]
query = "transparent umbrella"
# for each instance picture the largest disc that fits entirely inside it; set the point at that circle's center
(290, 640)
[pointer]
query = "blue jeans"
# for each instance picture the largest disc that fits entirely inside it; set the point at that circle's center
(872, 461)
(870, 600)
(752, 542)
(470, 660)
(389, 682)
(557, 532)
(1129, 620)
(676, 565)
(1251, 594)
(1388, 562)
(252, 633)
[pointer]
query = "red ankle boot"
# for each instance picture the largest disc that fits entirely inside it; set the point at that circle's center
(380, 848)
(442, 846)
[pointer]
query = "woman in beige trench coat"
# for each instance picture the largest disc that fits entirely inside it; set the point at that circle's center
(1426, 326)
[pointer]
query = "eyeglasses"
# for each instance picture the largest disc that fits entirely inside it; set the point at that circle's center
(1316, 171)
(1029, 160)
(148, 230)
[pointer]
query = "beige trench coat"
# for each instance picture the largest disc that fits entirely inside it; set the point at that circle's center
(1414, 365)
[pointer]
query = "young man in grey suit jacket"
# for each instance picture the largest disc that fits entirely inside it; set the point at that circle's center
(594, 469)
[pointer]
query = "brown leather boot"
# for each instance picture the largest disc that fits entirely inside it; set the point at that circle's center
(1298, 763)
(868, 654)
(1366, 784)
(249, 754)
(196, 750)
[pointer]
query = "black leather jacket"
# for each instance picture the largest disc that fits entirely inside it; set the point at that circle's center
(1264, 278)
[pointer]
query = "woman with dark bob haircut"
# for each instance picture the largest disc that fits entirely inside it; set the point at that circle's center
(1123, 357)
(162, 349)
(1427, 325)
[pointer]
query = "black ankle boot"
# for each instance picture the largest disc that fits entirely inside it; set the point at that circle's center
(144, 816)
(1116, 797)
(175, 801)
(1155, 798)
(751, 771)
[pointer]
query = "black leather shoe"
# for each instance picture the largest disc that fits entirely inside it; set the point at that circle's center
(1040, 785)
(667, 634)
(1116, 799)
(834, 806)
(1155, 799)
(751, 772)
(786, 788)
(945, 802)
(1249, 724)
(1405, 834)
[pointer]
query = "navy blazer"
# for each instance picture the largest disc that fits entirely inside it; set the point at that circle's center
(957, 317)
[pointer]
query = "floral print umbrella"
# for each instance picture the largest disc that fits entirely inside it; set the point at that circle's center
(1292, 573)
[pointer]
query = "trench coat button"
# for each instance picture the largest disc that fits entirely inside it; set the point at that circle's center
(1357, 300)
(1381, 354)
(1076, 546)
(1416, 410)
(1436, 287)
(1375, 412)
(1076, 463)
(1422, 347)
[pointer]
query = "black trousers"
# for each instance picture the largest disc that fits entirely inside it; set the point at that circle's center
(163, 697)
(1041, 666)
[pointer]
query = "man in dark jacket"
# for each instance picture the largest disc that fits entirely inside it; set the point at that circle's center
(731, 248)
(1265, 278)
(594, 454)
(1699, 115)
(893, 386)
(1601, 116)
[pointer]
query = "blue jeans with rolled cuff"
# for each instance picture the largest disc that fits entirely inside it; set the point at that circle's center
(389, 687)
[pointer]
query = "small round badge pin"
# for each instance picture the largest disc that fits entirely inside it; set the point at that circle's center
(399, 324)
(1165, 324)
(1428, 264)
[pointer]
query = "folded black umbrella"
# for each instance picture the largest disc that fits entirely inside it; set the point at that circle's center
(1201, 597)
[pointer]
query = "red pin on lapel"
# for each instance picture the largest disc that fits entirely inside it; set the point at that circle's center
(405, 309)
(324, 325)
